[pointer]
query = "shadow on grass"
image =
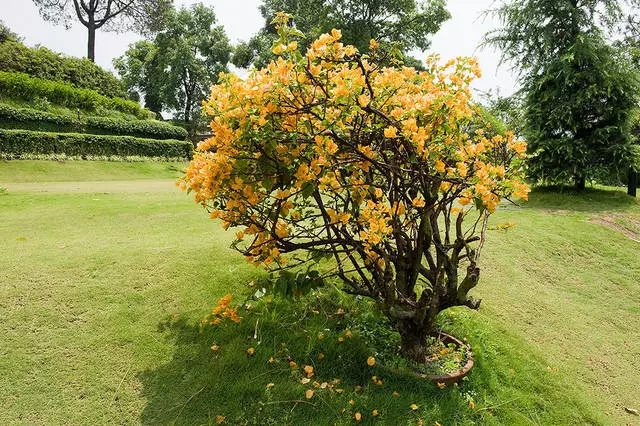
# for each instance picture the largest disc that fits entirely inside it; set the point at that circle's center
(507, 385)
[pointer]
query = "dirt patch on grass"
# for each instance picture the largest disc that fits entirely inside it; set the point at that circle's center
(555, 211)
(628, 226)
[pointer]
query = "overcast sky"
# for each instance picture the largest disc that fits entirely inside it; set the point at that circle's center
(459, 36)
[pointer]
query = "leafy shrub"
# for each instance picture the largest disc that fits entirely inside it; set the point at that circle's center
(21, 86)
(18, 142)
(47, 65)
(26, 118)
(42, 104)
(349, 158)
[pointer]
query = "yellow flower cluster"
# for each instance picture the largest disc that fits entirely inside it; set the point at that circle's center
(336, 122)
(221, 312)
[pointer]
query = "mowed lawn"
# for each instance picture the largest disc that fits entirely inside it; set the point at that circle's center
(107, 269)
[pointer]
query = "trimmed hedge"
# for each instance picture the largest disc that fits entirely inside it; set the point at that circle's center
(31, 119)
(47, 65)
(20, 86)
(18, 142)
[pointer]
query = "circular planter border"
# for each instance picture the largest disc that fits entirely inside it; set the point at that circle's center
(449, 379)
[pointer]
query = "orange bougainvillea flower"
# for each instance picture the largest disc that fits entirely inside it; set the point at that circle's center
(251, 351)
(390, 132)
(309, 370)
(371, 361)
(309, 394)
(418, 202)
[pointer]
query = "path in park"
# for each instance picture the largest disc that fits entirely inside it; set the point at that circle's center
(122, 186)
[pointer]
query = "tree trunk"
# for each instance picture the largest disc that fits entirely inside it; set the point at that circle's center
(579, 182)
(91, 44)
(413, 338)
(187, 111)
(633, 182)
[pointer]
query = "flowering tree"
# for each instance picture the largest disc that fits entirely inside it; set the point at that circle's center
(356, 158)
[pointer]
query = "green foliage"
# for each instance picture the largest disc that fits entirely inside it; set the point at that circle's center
(535, 33)
(15, 85)
(508, 110)
(406, 23)
(141, 72)
(289, 284)
(47, 65)
(579, 115)
(6, 34)
(176, 69)
(579, 91)
(26, 118)
(14, 143)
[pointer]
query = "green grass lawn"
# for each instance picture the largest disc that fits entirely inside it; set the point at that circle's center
(106, 271)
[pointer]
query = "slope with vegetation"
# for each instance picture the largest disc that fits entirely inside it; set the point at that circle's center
(61, 107)
(43, 63)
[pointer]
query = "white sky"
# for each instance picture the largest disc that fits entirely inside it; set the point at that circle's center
(459, 36)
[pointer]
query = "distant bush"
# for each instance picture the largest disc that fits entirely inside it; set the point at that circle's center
(47, 65)
(31, 119)
(21, 86)
(15, 143)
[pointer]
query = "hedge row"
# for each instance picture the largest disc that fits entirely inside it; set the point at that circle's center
(20, 86)
(27, 118)
(18, 142)
(47, 65)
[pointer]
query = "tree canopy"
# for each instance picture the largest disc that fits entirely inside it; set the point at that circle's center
(408, 23)
(580, 93)
(175, 69)
(112, 15)
(6, 34)
(141, 72)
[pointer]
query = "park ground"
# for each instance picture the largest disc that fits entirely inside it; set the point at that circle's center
(107, 269)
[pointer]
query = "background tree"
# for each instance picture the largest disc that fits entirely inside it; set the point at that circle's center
(409, 23)
(631, 45)
(580, 93)
(508, 110)
(386, 172)
(141, 71)
(176, 69)
(193, 51)
(7, 35)
(112, 15)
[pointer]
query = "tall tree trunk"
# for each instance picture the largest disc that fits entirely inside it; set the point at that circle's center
(187, 109)
(91, 44)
